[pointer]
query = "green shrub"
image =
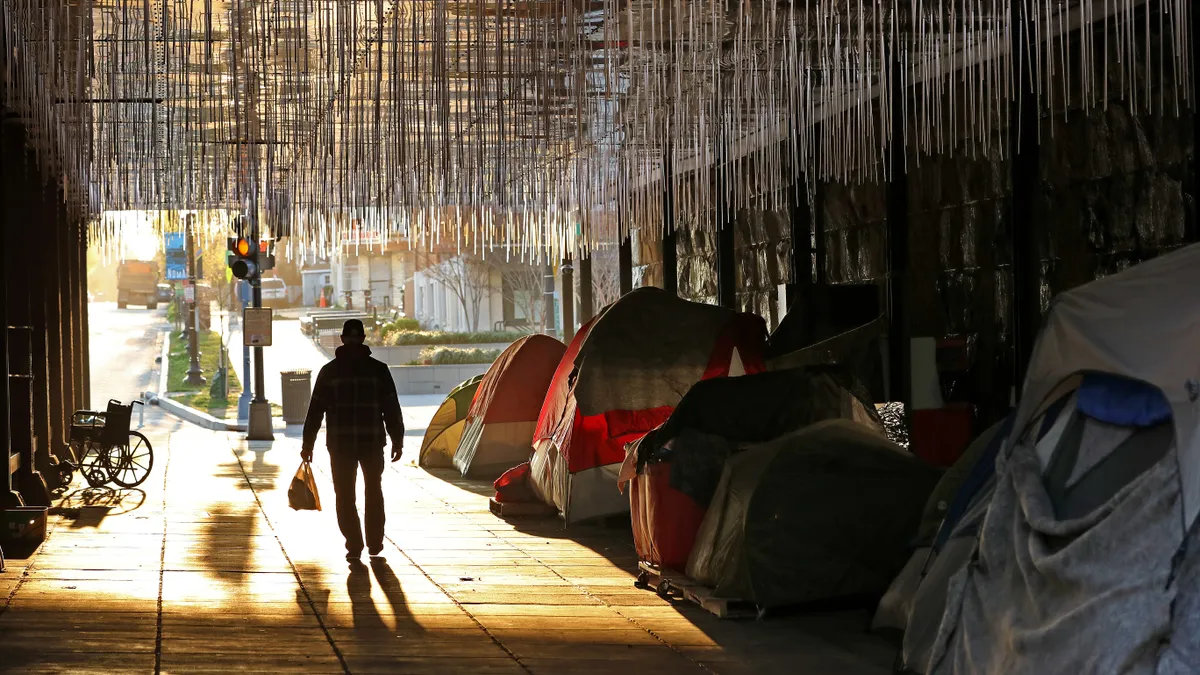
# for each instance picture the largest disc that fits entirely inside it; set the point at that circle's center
(429, 337)
(442, 356)
(399, 325)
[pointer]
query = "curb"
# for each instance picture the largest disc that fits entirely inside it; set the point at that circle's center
(190, 414)
(183, 412)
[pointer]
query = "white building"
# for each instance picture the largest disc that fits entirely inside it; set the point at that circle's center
(384, 273)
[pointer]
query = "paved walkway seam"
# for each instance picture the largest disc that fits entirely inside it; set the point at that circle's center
(291, 565)
(162, 564)
(499, 643)
(582, 589)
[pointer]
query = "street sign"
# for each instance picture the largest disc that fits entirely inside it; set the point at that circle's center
(189, 293)
(175, 248)
(256, 327)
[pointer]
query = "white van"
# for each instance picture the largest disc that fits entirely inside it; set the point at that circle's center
(274, 292)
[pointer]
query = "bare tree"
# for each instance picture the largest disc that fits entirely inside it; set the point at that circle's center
(523, 284)
(606, 278)
(466, 276)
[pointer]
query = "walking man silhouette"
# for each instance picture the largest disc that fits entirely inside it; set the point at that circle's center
(358, 396)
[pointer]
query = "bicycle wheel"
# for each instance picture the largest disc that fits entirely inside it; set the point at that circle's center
(96, 464)
(134, 461)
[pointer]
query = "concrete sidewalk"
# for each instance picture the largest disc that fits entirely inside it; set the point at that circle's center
(205, 568)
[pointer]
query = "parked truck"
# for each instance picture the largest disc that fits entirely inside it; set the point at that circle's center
(137, 284)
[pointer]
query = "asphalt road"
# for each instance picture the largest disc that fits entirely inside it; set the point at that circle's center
(123, 349)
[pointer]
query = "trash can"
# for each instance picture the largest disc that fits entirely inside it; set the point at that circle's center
(297, 390)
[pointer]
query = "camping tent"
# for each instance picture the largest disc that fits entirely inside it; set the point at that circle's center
(499, 425)
(822, 514)
(1083, 557)
(679, 464)
(446, 427)
(621, 377)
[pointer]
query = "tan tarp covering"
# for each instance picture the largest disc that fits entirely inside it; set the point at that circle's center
(489, 449)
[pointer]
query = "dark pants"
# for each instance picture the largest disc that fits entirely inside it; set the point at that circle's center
(345, 474)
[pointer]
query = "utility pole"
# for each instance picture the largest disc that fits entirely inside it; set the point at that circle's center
(195, 376)
(247, 375)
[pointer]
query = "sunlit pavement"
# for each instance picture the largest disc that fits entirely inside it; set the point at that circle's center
(205, 568)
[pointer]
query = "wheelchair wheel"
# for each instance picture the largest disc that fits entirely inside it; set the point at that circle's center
(95, 464)
(133, 461)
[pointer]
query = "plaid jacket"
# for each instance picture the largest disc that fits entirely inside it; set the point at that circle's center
(358, 396)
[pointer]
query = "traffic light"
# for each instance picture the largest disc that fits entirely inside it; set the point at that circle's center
(266, 255)
(243, 258)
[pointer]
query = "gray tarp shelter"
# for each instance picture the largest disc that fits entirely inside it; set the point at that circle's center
(1112, 589)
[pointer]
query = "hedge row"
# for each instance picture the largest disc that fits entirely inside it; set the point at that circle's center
(430, 337)
(442, 356)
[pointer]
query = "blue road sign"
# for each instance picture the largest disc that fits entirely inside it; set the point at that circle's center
(175, 248)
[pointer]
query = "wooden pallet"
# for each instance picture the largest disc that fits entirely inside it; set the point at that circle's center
(670, 584)
(522, 509)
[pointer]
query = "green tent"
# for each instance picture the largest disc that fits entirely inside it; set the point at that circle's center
(825, 513)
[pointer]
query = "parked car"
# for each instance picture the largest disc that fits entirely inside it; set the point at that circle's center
(274, 292)
(165, 293)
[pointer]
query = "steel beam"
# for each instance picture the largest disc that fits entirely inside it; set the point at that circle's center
(670, 246)
(726, 240)
(1026, 294)
(625, 264)
(586, 302)
(897, 252)
(568, 299)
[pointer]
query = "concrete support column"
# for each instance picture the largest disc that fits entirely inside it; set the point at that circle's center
(79, 311)
(897, 252)
(85, 336)
(670, 247)
(587, 307)
(9, 174)
(37, 233)
(52, 292)
(1026, 295)
(64, 405)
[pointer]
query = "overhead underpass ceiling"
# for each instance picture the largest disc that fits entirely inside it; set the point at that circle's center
(543, 123)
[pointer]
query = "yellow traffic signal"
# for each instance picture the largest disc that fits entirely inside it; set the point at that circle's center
(243, 247)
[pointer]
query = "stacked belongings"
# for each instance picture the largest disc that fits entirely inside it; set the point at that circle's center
(818, 517)
(1085, 560)
(500, 423)
(446, 427)
(891, 617)
(674, 470)
(622, 376)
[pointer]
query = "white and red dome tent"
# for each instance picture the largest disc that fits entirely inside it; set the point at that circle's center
(622, 376)
(504, 412)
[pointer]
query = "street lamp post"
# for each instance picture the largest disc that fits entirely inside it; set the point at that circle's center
(195, 376)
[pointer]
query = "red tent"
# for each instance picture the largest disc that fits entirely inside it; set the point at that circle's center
(622, 376)
(500, 423)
